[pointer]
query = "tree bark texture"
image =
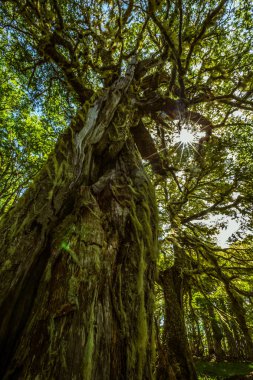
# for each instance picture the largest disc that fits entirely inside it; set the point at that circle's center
(175, 338)
(78, 256)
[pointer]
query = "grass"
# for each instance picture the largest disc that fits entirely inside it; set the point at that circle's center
(219, 371)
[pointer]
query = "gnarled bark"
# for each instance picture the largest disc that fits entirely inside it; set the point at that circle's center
(78, 257)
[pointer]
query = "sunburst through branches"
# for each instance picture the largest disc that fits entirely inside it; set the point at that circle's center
(187, 139)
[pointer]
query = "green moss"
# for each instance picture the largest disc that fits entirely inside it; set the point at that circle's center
(210, 371)
(66, 247)
(65, 231)
(51, 330)
(118, 303)
(141, 216)
(153, 345)
(96, 251)
(48, 272)
(63, 355)
(142, 329)
(73, 290)
(142, 338)
(6, 265)
(89, 347)
(132, 190)
(146, 223)
(50, 194)
(136, 224)
(142, 268)
(20, 224)
(131, 358)
(49, 173)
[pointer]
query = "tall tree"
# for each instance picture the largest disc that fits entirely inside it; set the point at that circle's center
(79, 249)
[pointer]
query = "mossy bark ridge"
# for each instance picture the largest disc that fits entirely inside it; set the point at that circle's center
(80, 254)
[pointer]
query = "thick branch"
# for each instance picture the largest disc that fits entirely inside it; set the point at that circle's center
(147, 148)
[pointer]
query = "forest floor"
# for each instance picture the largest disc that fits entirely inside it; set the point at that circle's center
(224, 370)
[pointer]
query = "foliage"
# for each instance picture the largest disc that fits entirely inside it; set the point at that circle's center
(29, 125)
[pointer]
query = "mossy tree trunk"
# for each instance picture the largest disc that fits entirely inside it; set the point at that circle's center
(217, 335)
(174, 336)
(238, 310)
(196, 339)
(78, 257)
(210, 345)
(232, 347)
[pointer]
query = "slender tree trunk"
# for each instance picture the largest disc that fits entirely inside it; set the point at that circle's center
(238, 311)
(232, 349)
(209, 340)
(175, 339)
(196, 338)
(78, 257)
(197, 343)
(216, 334)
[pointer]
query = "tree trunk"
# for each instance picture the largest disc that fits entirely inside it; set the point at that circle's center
(238, 311)
(216, 334)
(208, 335)
(175, 339)
(78, 257)
(232, 349)
(196, 339)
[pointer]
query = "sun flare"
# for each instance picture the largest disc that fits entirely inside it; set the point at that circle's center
(186, 137)
(186, 140)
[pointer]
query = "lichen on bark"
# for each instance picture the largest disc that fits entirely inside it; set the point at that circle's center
(83, 258)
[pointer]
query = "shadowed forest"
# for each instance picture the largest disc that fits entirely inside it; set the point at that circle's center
(126, 177)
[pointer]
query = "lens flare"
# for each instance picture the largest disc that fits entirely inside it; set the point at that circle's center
(186, 137)
(186, 140)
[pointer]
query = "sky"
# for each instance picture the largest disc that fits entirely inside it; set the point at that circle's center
(223, 236)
